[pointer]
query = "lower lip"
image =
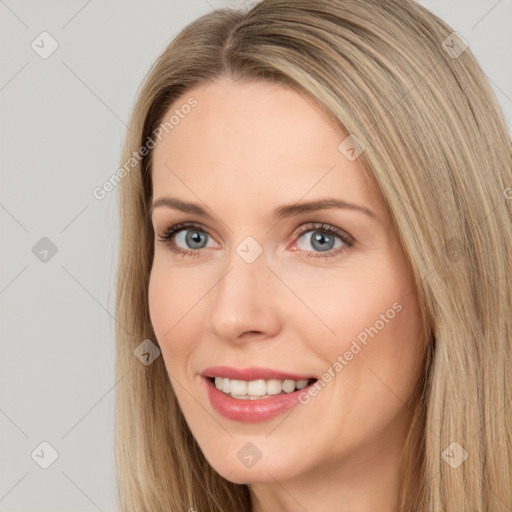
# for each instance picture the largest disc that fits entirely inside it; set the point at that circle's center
(250, 411)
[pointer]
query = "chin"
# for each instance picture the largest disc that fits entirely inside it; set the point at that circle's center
(238, 467)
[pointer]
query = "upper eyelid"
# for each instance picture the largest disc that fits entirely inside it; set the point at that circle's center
(299, 231)
(346, 238)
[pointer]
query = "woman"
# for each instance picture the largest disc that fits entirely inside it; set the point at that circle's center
(315, 238)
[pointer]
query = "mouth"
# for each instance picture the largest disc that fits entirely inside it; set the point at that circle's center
(253, 398)
(258, 389)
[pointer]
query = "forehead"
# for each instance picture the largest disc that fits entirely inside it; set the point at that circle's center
(249, 140)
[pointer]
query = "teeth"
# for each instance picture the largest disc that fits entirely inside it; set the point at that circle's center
(301, 384)
(274, 387)
(238, 387)
(255, 389)
(289, 386)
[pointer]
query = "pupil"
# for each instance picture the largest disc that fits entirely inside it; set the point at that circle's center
(194, 237)
(324, 240)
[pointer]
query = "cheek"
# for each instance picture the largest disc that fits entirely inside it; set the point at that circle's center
(389, 332)
(339, 306)
(370, 316)
(174, 303)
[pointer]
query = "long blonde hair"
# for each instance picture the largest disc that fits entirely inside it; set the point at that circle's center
(395, 76)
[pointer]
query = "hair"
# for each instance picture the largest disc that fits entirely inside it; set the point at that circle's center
(438, 147)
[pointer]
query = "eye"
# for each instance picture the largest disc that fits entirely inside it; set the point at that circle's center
(323, 240)
(192, 236)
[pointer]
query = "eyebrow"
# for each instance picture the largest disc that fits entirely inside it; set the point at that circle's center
(287, 210)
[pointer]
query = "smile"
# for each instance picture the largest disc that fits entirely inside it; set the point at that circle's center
(254, 394)
(258, 389)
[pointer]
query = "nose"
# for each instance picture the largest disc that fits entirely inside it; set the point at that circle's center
(244, 305)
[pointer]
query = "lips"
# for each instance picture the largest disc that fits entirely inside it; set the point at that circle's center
(252, 373)
(256, 409)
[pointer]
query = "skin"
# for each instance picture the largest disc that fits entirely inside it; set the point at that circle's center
(245, 149)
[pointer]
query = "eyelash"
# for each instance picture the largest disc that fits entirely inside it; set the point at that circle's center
(168, 234)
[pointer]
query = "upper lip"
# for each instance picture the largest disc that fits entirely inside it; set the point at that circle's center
(252, 373)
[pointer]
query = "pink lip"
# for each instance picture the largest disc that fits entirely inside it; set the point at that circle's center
(250, 411)
(248, 374)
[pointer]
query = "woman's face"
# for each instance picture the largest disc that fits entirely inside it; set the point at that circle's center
(263, 289)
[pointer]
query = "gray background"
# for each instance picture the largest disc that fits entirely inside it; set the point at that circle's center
(63, 120)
